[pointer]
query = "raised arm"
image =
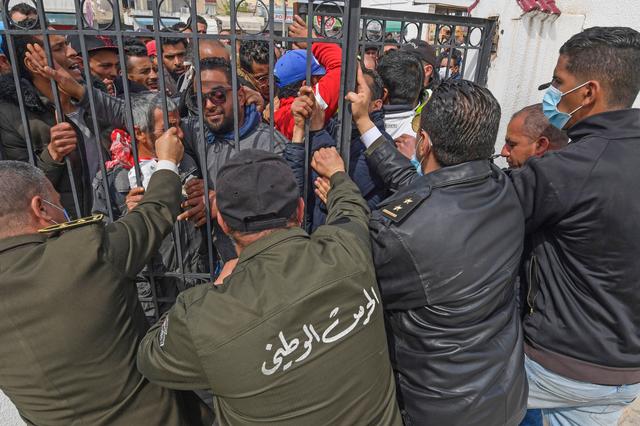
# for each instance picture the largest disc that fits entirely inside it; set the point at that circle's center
(130, 242)
(345, 205)
(109, 110)
(384, 159)
(394, 169)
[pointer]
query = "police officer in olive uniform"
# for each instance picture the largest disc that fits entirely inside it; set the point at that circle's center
(70, 318)
(294, 335)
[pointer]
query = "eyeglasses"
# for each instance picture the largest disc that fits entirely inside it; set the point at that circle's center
(217, 96)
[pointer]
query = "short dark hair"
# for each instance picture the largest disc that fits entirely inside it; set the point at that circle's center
(610, 55)
(179, 26)
(253, 51)
(132, 41)
(134, 51)
(403, 76)
(172, 41)
(19, 183)
(289, 91)
(199, 20)
(23, 8)
(20, 43)
(376, 86)
(462, 121)
(219, 64)
(536, 124)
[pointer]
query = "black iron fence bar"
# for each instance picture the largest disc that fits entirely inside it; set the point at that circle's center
(92, 107)
(202, 143)
(341, 103)
(59, 115)
(427, 18)
(485, 57)
(157, 24)
(160, 58)
(234, 73)
(16, 80)
(449, 56)
(307, 139)
(353, 22)
(272, 67)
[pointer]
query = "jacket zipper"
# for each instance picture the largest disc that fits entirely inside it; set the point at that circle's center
(530, 302)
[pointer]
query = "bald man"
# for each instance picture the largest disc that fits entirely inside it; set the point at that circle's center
(206, 49)
(213, 49)
(529, 134)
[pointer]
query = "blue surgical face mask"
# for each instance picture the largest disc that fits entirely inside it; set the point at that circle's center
(550, 101)
(414, 160)
(416, 164)
(63, 210)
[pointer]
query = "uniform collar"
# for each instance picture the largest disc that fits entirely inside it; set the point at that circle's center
(620, 124)
(269, 241)
(460, 173)
(21, 240)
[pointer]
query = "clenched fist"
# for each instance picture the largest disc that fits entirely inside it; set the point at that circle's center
(63, 140)
(169, 146)
(327, 162)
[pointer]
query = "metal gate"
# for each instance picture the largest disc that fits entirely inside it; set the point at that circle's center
(343, 23)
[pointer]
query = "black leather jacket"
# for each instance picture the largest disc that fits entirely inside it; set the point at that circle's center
(446, 249)
(582, 210)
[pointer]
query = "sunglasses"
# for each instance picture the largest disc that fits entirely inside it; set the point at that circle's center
(217, 96)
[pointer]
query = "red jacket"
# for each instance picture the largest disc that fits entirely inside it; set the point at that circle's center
(327, 90)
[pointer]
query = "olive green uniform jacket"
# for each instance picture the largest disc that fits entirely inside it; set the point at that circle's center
(294, 336)
(70, 321)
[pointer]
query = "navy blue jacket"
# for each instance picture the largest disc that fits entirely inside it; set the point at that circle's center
(369, 184)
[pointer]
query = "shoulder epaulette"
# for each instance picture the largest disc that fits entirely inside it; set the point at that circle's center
(401, 207)
(96, 218)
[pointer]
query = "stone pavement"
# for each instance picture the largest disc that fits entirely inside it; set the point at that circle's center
(631, 416)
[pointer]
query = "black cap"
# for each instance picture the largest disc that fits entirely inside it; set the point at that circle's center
(421, 50)
(92, 43)
(256, 190)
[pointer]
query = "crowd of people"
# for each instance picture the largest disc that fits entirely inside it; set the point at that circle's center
(419, 284)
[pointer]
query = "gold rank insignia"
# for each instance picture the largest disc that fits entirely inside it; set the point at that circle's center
(96, 218)
(402, 207)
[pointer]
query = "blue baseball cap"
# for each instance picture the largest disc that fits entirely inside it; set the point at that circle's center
(292, 67)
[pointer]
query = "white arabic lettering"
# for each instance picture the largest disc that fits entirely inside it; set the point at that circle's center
(344, 332)
(287, 348)
(311, 335)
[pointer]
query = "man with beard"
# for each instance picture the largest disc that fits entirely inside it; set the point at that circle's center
(219, 139)
(174, 51)
(103, 60)
(52, 138)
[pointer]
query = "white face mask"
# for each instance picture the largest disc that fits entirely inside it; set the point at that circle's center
(443, 73)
